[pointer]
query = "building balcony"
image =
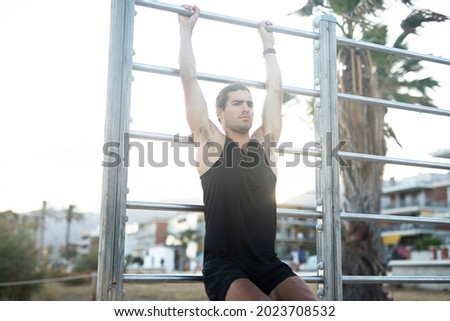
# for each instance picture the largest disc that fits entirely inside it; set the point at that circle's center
(411, 210)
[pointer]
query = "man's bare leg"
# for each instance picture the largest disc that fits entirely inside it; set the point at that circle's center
(245, 290)
(293, 289)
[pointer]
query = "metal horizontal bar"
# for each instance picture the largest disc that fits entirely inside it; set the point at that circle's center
(347, 279)
(391, 51)
(367, 279)
(286, 212)
(293, 32)
(188, 140)
(166, 278)
(157, 206)
(295, 90)
(281, 150)
(222, 79)
(41, 281)
(394, 104)
(186, 278)
(160, 137)
(392, 160)
(226, 19)
(396, 219)
(303, 151)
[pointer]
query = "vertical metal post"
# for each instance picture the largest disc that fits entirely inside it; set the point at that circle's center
(113, 206)
(327, 173)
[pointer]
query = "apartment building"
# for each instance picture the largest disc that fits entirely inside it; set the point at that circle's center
(424, 195)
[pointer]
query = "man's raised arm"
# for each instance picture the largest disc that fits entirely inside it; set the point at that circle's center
(196, 108)
(271, 115)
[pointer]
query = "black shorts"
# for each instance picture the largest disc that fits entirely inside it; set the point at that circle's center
(220, 273)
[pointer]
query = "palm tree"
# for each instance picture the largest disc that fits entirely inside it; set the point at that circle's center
(39, 218)
(363, 127)
(70, 216)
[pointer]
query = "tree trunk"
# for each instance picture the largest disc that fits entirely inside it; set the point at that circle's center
(69, 217)
(362, 127)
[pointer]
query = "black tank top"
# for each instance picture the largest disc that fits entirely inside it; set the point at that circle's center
(240, 206)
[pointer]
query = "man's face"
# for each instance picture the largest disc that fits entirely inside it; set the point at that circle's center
(238, 113)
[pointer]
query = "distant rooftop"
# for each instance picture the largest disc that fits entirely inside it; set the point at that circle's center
(442, 153)
(422, 181)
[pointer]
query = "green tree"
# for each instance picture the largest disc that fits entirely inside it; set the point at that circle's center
(19, 258)
(426, 241)
(86, 262)
(376, 75)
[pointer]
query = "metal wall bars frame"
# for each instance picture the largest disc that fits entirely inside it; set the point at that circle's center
(110, 276)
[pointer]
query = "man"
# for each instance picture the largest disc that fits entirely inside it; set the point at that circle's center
(238, 177)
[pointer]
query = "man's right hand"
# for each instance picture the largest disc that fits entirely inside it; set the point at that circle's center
(189, 21)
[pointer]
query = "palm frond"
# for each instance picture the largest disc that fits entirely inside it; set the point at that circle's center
(417, 17)
(308, 8)
(399, 41)
(425, 84)
(288, 97)
(408, 98)
(389, 132)
(365, 7)
(407, 2)
(410, 65)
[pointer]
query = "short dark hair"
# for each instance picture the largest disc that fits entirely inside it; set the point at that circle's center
(222, 98)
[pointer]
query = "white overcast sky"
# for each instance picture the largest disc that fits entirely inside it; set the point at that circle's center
(53, 75)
